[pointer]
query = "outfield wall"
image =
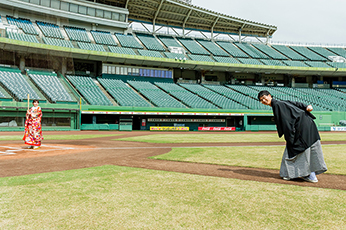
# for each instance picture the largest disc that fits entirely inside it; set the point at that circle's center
(70, 117)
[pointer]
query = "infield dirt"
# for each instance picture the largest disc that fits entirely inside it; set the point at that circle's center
(59, 155)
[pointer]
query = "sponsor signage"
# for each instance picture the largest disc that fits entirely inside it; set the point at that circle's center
(342, 129)
(216, 128)
(184, 120)
(168, 128)
(161, 113)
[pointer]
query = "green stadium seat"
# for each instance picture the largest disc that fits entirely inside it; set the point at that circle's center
(103, 38)
(232, 49)
(121, 50)
(128, 41)
(122, 93)
(77, 34)
(90, 46)
(17, 85)
(193, 46)
(51, 86)
(250, 61)
(150, 53)
(22, 37)
(89, 90)
(24, 24)
(57, 42)
(155, 95)
(272, 62)
(213, 48)
(50, 30)
(308, 53)
(289, 53)
(200, 58)
(251, 51)
(295, 63)
(226, 60)
(270, 51)
(318, 64)
(150, 42)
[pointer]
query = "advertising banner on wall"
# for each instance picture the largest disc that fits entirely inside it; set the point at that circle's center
(341, 129)
(216, 128)
(168, 128)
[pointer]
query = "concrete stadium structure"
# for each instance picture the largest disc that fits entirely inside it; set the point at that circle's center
(91, 68)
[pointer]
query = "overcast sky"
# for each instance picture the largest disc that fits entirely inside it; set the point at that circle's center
(299, 21)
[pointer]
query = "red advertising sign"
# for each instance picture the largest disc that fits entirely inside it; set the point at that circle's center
(216, 128)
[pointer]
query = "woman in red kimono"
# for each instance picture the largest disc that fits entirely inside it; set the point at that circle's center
(33, 129)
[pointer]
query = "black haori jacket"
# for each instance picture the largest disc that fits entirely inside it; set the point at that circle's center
(296, 124)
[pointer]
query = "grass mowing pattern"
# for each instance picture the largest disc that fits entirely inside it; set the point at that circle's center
(113, 197)
(223, 137)
(254, 157)
(58, 137)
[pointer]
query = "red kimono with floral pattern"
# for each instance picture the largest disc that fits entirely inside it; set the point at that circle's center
(33, 130)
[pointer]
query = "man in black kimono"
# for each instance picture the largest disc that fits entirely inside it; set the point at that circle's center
(303, 156)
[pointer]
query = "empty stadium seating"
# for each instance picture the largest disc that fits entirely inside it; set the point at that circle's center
(308, 53)
(22, 37)
(155, 95)
(169, 41)
(50, 30)
(51, 86)
(17, 85)
(24, 24)
(212, 48)
(89, 90)
(58, 42)
(251, 51)
(250, 61)
(270, 51)
(245, 96)
(188, 98)
(193, 47)
(150, 53)
(91, 46)
(322, 51)
(150, 42)
(103, 38)
(226, 60)
(121, 50)
(289, 52)
(338, 51)
(216, 98)
(232, 49)
(122, 93)
(295, 63)
(77, 34)
(200, 58)
(128, 41)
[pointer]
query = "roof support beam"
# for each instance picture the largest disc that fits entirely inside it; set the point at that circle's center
(212, 28)
(157, 13)
(185, 20)
(127, 4)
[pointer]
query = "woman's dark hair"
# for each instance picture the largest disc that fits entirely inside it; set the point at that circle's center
(35, 101)
(263, 93)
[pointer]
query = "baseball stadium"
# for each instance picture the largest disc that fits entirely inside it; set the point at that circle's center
(149, 117)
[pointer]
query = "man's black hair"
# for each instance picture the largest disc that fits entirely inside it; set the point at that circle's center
(263, 93)
(35, 101)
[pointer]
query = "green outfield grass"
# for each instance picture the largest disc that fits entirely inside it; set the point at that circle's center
(255, 157)
(113, 197)
(58, 137)
(223, 137)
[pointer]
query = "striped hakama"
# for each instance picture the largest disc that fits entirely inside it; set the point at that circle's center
(311, 160)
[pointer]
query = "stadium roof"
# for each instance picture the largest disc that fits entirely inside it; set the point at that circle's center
(176, 13)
